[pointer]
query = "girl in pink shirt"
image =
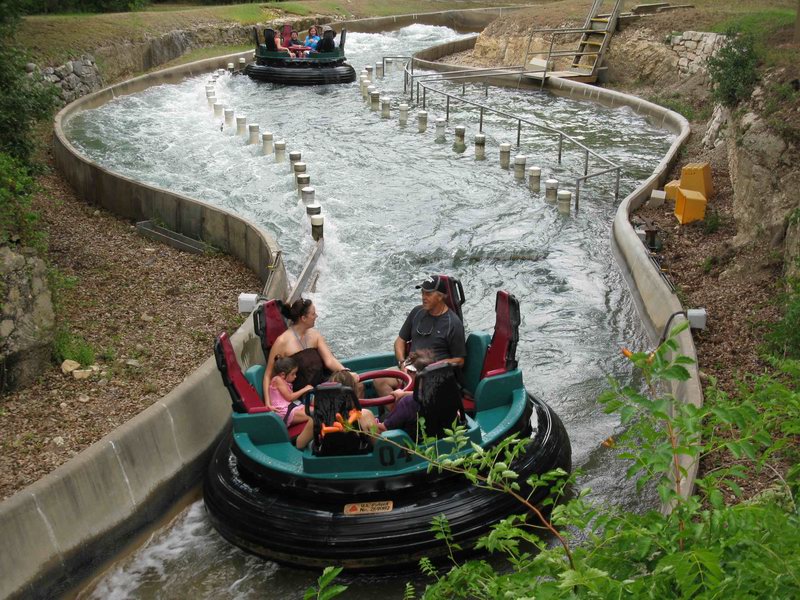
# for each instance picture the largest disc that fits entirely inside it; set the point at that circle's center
(281, 396)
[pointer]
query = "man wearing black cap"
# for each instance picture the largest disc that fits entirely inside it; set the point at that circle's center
(431, 325)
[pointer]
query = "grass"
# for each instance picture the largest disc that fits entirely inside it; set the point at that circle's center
(769, 29)
(68, 346)
(54, 39)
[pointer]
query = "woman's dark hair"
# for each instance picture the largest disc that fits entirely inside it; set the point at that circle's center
(299, 308)
(284, 365)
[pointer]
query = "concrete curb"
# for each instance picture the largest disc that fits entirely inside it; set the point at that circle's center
(654, 298)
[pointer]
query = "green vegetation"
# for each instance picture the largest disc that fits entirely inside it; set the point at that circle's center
(712, 222)
(68, 346)
(714, 543)
(17, 220)
(676, 103)
(783, 338)
(734, 69)
(761, 26)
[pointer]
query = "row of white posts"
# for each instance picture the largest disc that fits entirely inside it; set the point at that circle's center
(297, 167)
(376, 102)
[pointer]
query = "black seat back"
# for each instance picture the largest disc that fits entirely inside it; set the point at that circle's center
(438, 394)
(269, 40)
(331, 399)
(327, 43)
(342, 38)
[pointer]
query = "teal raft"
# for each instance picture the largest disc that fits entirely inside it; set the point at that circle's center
(344, 501)
(314, 68)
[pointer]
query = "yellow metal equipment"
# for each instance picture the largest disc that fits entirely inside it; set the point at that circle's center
(697, 177)
(689, 206)
(672, 189)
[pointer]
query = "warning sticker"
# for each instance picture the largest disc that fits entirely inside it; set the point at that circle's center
(365, 508)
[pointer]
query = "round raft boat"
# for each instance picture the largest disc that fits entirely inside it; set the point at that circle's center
(349, 502)
(312, 68)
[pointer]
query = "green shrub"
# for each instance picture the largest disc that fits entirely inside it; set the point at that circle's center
(68, 346)
(24, 99)
(733, 69)
(712, 222)
(17, 220)
(783, 338)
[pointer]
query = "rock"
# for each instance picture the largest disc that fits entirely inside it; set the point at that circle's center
(68, 366)
(96, 213)
(63, 405)
(146, 318)
(82, 373)
(30, 67)
(103, 382)
(94, 368)
(83, 398)
(132, 362)
(58, 441)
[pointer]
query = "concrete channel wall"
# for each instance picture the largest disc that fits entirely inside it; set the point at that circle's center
(58, 530)
(654, 298)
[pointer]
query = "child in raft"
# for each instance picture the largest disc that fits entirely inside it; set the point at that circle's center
(281, 397)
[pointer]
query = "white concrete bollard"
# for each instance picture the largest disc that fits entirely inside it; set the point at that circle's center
(241, 125)
(379, 70)
(314, 209)
(364, 83)
(266, 143)
(386, 105)
(294, 157)
(535, 178)
(403, 114)
(317, 227)
(441, 122)
(298, 168)
(374, 101)
(303, 181)
(461, 131)
(280, 151)
(229, 118)
(242, 63)
(307, 193)
(218, 109)
(505, 155)
(551, 190)
(369, 73)
(564, 201)
(480, 146)
(422, 121)
(389, 64)
(212, 100)
(254, 134)
(230, 68)
(519, 166)
(370, 90)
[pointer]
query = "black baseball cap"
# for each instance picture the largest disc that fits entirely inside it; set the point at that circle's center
(433, 283)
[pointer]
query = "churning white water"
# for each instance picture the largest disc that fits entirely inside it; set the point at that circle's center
(397, 206)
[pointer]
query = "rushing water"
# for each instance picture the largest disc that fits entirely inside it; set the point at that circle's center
(397, 206)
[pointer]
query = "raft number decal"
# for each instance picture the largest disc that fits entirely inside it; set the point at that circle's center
(363, 508)
(387, 457)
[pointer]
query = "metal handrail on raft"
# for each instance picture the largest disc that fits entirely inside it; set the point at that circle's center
(409, 78)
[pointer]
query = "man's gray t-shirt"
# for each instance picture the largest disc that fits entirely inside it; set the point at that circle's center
(443, 334)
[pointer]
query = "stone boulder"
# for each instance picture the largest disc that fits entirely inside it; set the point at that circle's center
(27, 322)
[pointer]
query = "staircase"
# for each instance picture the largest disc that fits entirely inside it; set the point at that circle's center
(594, 42)
(587, 59)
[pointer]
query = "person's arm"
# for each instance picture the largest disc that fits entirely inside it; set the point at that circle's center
(400, 352)
(287, 393)
(328, 359)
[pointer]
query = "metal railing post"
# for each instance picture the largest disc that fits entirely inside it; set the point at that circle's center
(519, 131)
(463, 88)
(447, 109)
(485, 89)
(560, 145)
(424, 95)
(480, 125)
(586, 164)
(577, 193)
(616, 187)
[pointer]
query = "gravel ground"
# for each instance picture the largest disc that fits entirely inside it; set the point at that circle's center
(131, 299)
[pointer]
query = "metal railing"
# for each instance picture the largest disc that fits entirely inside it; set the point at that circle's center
(422, 89)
